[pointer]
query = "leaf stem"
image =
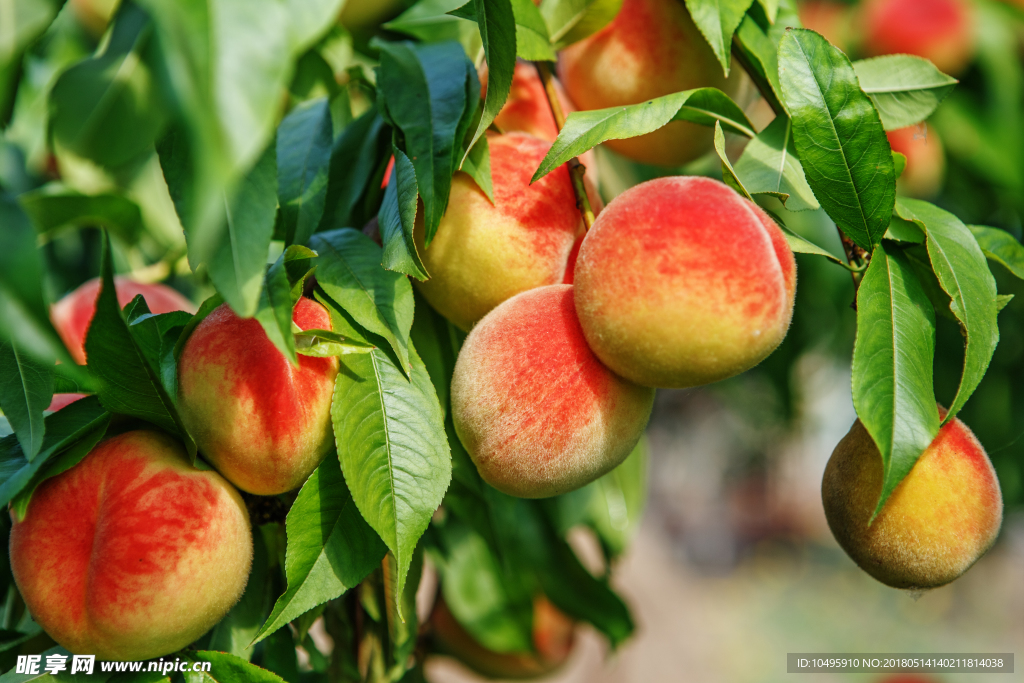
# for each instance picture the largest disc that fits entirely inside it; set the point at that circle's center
(576, 169)
(857, 258)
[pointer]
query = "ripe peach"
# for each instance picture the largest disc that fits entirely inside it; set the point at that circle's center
(133, 553)
(263, 423)
(940, 519)
(938, 30)
(926, 162)
(553, 636)
(829, 18)
(536, 410)
(682, 281)
(652, 48)
(73, 313)
(484, 253)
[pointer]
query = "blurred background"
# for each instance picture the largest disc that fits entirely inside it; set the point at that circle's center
(733, 565)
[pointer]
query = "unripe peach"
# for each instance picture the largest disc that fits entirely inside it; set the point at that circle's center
(940, 519)
(938, 30)
(73, 313)
(926, 162)
(262, 422)
(485, 253)
(652, 48)
(536, 410)
(553, 636)
(133, 553)
(681, 282)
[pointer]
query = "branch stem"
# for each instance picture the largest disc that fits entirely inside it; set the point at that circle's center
(576, 169)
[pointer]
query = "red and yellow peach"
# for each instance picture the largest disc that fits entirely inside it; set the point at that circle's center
(926, 162)
(938, 521)
(938, 30)
(262, 422)
(133, 553)
(536, 410)
(681, 282)
(485, 253)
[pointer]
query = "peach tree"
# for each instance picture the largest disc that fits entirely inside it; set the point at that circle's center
(259, 153)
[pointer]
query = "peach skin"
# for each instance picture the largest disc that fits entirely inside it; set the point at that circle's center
(536, 410)
(263, 423)
(941, 31)
(133, 553)
(682, 282)
(940, 519)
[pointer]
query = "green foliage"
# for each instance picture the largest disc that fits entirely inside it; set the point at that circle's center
(839, 136)
(892, 364)
(250, 142)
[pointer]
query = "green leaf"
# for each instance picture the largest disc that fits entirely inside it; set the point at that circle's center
(26, 387)
(840, 139)
(24, 316)
(109, 108)
(570, 21)
(330, 547)
(892, 365)
(532, 40)
(326, 343)
(477, 594)
(225, 668)
(423, 88)
(157, 336)
(130, 385)
(392, 447)
(621, 496)
(24, 22)
(431, 22)
(497, 23)
(400, 607)
(770, 165)
(1001, 247)
(397, 219)
(718, 21)
(757, 46)
(904, 89)
(354, 156)
(58, 464)
(63, 429)
(304, 142)
(802, 246)
(899, 162)
(235, 632)
(728, 173)
(349, 271)
(586, 129)
(478, 166)
(238, 263)
(281, 291)
(771, 8)
(54, 207)
(226, 64)
(963, 273)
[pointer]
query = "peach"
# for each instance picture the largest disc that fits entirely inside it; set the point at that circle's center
(262, 422)
(926, 162)
(651, 49)
(536, 410)
(95, 15)
(485, 253)
(829, 18)
(133, 553)
(681, 282)
(73, 313)
(938, 30)
(553, 636)
(937, 522)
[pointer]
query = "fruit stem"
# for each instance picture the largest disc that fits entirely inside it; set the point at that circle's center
(576, 169)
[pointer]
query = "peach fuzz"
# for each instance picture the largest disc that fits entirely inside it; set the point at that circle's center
(262, 422)
(926, 161)
(651, 49)
(133, 553)
(73, 313)
(553, 639)
(681, 282)
(485, 253)
(940, 519)
(536, 410)
(938, 30)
